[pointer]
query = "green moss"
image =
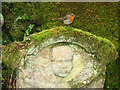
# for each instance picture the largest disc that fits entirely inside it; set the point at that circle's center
(11, 56)
(80, 37)
(100, 19)
(99, 44)
(78, 85)
(97, 18)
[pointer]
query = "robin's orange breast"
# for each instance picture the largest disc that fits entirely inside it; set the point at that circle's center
(72, 18)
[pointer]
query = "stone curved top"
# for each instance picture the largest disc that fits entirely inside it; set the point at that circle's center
(101, 48)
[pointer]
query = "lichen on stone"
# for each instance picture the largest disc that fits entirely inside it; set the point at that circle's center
(90, 54)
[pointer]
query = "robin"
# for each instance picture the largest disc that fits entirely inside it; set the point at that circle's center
(68, 19)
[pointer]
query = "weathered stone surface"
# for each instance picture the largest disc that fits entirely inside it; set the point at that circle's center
(63, 66)
(62, 57)
(62, 60)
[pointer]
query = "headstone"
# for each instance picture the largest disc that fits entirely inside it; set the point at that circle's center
(64, 57)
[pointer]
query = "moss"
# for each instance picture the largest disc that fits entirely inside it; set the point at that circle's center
(101, 19)
(11, 52)
(11, 56)
(101, 45)
(78, 85)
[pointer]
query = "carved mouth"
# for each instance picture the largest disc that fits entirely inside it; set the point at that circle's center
(63, 72)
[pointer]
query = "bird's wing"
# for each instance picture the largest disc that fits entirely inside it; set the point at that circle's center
(64, 18)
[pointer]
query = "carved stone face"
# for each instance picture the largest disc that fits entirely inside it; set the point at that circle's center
(72, 63)
(62, 60)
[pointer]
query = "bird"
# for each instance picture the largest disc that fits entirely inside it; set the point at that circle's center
(67, 19)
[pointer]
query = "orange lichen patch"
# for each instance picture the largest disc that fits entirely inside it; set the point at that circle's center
(43, 66)
(55, 62)
(72, 18)
(51, 76)
(55, 31)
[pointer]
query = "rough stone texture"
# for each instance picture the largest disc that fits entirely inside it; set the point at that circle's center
(62, 60)
(61, 57)
(62, 53)
(60, 67)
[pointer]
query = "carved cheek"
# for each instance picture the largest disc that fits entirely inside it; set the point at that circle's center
(62, 68)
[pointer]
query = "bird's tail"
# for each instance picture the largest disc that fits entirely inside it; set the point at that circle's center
(59, 19)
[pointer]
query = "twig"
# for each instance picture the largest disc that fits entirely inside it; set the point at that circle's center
(10, 80)
(14, 83)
